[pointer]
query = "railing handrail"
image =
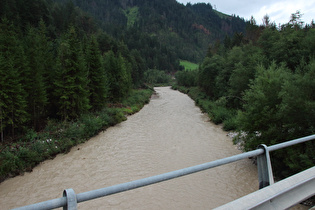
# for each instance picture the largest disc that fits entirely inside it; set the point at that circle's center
(85, 196)
(281, 195)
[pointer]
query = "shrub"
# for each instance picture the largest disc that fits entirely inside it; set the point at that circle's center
(91, 125)
(154, 76)
(219, 114)
(230, 124)
(72, 130)
(10, 163)
(186, 78)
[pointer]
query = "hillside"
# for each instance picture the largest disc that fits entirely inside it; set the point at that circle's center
(164, 31)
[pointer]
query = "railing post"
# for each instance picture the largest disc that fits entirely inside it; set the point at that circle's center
(71, 199)
(265, 175)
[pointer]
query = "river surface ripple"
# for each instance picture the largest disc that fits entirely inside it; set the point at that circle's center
(169, 133)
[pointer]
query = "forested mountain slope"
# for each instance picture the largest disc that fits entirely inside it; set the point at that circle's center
(162, 30)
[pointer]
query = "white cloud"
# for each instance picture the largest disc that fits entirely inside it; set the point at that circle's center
(279, 11)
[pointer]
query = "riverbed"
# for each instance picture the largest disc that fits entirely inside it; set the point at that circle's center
(169, 133)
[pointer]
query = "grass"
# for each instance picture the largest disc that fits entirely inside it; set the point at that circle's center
(189, 65)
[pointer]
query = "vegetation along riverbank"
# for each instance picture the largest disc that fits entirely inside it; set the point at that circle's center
(261, 85)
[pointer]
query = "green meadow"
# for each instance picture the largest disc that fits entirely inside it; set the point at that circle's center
(189, 65)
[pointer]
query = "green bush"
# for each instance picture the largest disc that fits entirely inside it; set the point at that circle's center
(104, 118)
(72, 130)
(91, 125)
(218, 114)
(154, 76)
(10, 164)
(30, 135)
(187, 78)
(230, 124)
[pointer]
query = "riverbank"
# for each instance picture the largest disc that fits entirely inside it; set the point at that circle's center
(216, 110)
(59, 137)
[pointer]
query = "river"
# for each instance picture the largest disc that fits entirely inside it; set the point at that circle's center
(169, 133)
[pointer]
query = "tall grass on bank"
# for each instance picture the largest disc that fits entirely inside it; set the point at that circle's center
(216, 110)
(60, 137)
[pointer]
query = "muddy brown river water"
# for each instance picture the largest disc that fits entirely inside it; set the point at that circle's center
(169, 133)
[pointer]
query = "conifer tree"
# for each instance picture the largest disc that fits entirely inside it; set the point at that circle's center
(96, 74)
(36, 46)
(138, 68)
(118, 75)
(3, 95)
(48, 60)
(71, 78)
(12, 95)
(125, 75)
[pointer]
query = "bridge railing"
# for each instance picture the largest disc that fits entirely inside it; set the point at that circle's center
(281, 195)
(70, 199)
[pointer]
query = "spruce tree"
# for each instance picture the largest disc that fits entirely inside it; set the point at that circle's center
(48, 62)
(119, 76)
(138, 68)
(12, 67)
(96, 74)
(125, 75)
(37, 94)
(71, 78)
(111, 66)
(3, 95)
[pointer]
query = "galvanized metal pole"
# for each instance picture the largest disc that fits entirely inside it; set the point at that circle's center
(290, 143)
(265, 175)
(71, 200)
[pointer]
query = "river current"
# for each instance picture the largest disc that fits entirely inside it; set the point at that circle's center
(169, 133)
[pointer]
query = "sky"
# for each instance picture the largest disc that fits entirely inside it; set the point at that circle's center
(279, 11)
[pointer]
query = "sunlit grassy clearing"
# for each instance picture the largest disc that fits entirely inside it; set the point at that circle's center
(189, 65)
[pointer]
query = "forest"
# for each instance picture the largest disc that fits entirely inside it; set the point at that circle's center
(71, 68)
(163, 31)
(261, 84)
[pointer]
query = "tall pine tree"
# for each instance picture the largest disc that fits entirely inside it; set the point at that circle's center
(71, 78)
(12, 95)
(119, 76)
(98, 85)
(36, 47)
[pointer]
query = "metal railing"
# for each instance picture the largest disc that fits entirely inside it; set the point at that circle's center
(281, 195)
(70, 198)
